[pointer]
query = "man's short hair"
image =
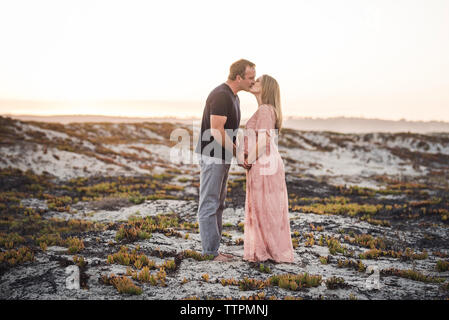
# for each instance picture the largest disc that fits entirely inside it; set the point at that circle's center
(239, 68)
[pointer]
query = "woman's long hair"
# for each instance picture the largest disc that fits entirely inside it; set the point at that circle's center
(271, 94)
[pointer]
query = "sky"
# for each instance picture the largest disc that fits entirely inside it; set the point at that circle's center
(372, 59)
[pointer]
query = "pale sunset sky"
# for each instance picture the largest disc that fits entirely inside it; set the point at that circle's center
(386, 59)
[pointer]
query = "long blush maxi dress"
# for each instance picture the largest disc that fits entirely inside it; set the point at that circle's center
(267, 224)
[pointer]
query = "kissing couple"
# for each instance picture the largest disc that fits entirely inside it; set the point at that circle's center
(267, 226)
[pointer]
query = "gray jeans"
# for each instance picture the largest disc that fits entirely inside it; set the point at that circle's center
(213, 180)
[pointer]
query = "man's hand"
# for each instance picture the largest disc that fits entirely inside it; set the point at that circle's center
(243, 162)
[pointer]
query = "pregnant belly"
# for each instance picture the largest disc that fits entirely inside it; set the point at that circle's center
(268, 164)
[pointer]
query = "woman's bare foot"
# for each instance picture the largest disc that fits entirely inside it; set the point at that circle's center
(222, 257)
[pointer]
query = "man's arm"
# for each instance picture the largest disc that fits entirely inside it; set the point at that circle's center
(218, 132)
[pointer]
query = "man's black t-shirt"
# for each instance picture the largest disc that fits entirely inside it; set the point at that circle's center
(221, 102)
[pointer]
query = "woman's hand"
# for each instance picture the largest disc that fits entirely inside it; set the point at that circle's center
(247, 166)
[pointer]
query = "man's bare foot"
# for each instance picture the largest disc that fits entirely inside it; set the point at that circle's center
(228, 255)
(222, 257)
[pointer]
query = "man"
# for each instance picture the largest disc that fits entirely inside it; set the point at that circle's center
(217, 146)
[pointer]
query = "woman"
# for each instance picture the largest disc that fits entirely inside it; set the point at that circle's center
(267, 225)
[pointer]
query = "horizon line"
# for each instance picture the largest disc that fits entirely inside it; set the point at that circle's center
(286, 117)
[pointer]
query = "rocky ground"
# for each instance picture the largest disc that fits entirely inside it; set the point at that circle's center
(369, 217)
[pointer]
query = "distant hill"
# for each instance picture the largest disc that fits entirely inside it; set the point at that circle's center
(361, 125)
(64, 119)
(88, 149)
(338, 124)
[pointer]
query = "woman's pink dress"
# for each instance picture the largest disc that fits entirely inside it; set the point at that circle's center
(267, 223)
